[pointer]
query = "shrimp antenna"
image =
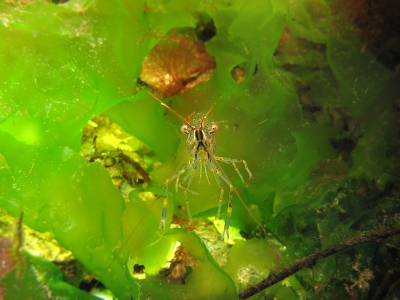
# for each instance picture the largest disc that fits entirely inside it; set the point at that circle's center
(171, 109)
(205, 117)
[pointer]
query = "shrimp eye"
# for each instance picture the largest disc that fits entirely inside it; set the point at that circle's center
(214, 128)
(184, 129)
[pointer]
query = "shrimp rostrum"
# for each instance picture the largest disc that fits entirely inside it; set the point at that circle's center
(201, 145)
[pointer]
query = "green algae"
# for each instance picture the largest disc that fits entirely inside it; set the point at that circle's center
(56, 188)
(42, 280)
(245, 255)
(215, 282)
(79, 59)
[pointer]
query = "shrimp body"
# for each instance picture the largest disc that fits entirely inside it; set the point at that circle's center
(200, 141)
(201, 145)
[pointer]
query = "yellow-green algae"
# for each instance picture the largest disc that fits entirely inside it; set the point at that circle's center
(62, 64)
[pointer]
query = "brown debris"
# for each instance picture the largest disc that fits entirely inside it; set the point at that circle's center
(377, 23)
(176, 64)
(177, 271)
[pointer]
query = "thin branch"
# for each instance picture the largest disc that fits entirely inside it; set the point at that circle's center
(309, 261)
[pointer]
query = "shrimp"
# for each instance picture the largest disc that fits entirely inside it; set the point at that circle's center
(201, 145)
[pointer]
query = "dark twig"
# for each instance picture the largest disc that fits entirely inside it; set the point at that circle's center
(309, 261)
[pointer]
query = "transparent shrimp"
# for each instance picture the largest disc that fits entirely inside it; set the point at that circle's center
(201, 145)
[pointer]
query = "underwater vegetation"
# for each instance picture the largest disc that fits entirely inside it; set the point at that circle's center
(304, 91)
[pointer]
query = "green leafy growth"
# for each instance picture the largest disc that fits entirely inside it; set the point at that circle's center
(40, 280)
(62, 64)
(245, 255)
(56, 188)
